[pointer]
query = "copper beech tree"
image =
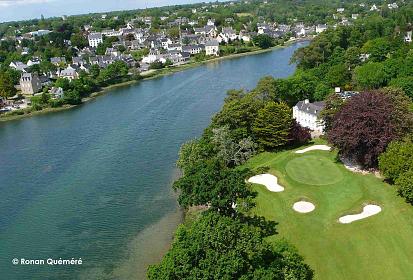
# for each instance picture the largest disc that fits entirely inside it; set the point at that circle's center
(368, 122)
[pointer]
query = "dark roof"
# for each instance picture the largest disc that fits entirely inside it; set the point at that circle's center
(212, 43)
(311, 108)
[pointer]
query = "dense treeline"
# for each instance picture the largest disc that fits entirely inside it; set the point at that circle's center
(367, 55)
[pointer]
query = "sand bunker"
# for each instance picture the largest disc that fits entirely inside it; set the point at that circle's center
(303, 207)
(268, 180)
(368, 210)
(314, 147)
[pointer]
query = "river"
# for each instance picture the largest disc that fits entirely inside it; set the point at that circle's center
(94, 182)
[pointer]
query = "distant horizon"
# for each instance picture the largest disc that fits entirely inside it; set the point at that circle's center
(34, 9)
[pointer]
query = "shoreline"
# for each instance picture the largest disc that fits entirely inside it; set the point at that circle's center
(151, 74)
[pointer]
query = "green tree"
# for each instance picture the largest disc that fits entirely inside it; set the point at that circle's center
(272, 125)
(333, 105)
(210, 182)
(397, 159)
(78, 40)
(94, 71)
(7, 88)
(173, 32)
(338, 76)
(404, 83)
(377, 48)
(266, 89)
(263, 41)
(232, 152)
(404, 184)
(192, 153)
(370, 75)
(238, 114)
(218, 247)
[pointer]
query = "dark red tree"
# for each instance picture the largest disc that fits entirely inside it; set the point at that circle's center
(299, 135)
(366, 124)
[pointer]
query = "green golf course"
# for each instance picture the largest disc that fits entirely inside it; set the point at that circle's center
(377, 247)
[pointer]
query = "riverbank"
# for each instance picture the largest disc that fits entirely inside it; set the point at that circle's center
(151, 74)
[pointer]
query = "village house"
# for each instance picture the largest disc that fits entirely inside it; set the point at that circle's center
(77, 60)
(212, 47)
(320, 28)
(262, 27)
(56, 92)
(30, 83)
(308, 115)
(18, 65)
(244, 36)
(69, 73)
(174, 47)
(208, 30)
(153, 56)
(228, 34)
(112, 32)
(33, 61)
(95, 39)
(58, 60)
(193, 49)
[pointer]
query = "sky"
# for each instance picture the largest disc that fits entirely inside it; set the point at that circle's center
(11, 10)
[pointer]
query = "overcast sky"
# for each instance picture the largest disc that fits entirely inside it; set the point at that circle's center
(27, 9)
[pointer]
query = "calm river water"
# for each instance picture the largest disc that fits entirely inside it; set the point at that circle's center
(94, 182)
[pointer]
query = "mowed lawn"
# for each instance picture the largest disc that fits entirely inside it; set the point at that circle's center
(378, 247)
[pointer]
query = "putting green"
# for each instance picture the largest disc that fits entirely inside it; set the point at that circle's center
(313, 170)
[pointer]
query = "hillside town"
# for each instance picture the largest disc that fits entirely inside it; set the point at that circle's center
(141, 49)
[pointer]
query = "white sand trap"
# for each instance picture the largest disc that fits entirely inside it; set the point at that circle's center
(314, 147)
(303, 207)
(368, 210)
(268, 180)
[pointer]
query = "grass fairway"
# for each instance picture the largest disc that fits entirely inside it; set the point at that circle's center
(379, 247)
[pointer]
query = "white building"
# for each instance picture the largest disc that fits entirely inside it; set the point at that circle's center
(374, 8)
(227, 34)
(95, 39)
(211, 22)
(112, 32)
(393, 6)
(33, 61)
(408, 37)
(69, 73)
(193, 49)
(307, 115)
(320, 28)
(40, 32)
(212, 47)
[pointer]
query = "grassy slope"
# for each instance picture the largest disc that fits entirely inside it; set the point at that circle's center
(379, 247)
